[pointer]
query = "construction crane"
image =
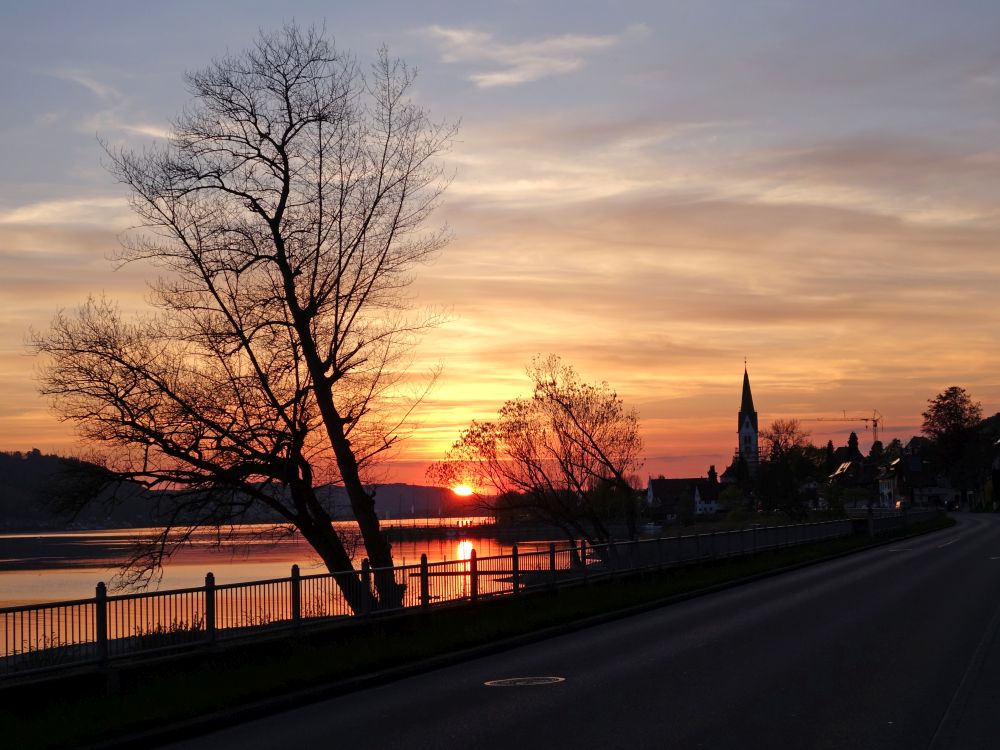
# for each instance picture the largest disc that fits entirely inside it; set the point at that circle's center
(873, 421)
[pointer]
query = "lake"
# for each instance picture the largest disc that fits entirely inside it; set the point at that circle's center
(57, 566)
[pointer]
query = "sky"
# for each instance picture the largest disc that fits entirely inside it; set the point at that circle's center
(654, 191)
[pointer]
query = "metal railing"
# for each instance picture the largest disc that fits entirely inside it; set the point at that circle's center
(56, 635)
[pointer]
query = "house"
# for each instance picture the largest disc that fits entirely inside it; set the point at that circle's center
(680, 499)
(909, 481)
(858, 479)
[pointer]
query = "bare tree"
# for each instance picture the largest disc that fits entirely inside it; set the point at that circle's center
(287, 210)
(784, 436)
(788, 461)
(563, 456)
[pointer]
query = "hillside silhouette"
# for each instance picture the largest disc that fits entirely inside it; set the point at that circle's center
(47, 492)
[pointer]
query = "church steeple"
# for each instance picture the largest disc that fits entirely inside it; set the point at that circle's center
(746, 406)
(747, 428)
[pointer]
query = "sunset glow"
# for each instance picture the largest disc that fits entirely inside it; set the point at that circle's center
(463, 489)
(773, 181)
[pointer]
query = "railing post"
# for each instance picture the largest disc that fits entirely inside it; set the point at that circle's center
(583, 558)
(635, 555)
(697, 546)
(552, 565)
(296, 584)
(425, 583)
(473, 576)
(101, 622)
(210, 607)
(612, 556)
(366, 584)
(515, 570)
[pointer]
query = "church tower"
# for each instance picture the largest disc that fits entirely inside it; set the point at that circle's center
(749, 448)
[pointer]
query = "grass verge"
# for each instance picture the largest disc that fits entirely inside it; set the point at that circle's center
(251, 678)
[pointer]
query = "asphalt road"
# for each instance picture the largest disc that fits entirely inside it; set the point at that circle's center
(892, 648)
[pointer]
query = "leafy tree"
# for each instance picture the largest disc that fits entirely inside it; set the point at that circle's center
(949, 417)
(852, 445)
(563, 456)
(828, 457)
(287, 212)
(948, 422)
(877, 451)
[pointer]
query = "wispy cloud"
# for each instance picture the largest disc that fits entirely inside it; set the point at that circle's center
(115, 113)
(101, 212)
(101, 90)
(514, 63)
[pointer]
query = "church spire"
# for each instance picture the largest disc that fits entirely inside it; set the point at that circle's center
(747, 428)
(746, 406)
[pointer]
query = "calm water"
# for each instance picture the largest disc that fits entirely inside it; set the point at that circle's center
(38, 567)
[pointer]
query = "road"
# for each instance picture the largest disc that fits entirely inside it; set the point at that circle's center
(895, 647)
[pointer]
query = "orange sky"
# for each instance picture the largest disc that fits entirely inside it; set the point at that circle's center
(653, 199)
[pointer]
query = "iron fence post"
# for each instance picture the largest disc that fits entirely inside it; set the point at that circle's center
(366, 584)
(210, 607)
(296, 583)
(425, 582)
(473, 576)
(101, 622)
(552, 565)
(515, 570)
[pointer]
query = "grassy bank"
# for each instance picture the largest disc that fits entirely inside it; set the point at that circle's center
(71, 711)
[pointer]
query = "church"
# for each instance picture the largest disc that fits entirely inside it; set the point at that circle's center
(670, 499)
(748, 450)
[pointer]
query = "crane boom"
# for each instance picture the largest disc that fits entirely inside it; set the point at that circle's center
(874, 421)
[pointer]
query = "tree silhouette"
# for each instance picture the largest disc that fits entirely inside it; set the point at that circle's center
(789, 460)
(950, 415)
(948, 421)
(287, 213)
(563, 456)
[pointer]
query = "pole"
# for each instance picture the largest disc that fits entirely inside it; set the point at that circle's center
(515, 569)
(296, 584)
(425, 583)
(101, 622)
(210, 607)
(473, 577)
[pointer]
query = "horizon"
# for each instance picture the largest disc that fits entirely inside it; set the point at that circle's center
(812, 188)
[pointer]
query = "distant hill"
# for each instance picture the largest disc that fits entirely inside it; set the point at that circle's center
(34, 486)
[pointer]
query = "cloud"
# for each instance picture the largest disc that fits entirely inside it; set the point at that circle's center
(114, 116)
(102, 91)
(518, 62)
(98, 212)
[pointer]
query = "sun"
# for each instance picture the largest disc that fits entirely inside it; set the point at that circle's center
(463, 489)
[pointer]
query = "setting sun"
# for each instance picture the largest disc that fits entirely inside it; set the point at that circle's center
(463, 489)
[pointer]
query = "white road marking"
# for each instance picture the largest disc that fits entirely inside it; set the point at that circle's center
(952, 541)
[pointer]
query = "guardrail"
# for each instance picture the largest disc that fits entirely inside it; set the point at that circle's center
(57, 635)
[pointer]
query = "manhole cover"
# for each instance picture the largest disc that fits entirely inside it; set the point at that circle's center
(524, 681)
